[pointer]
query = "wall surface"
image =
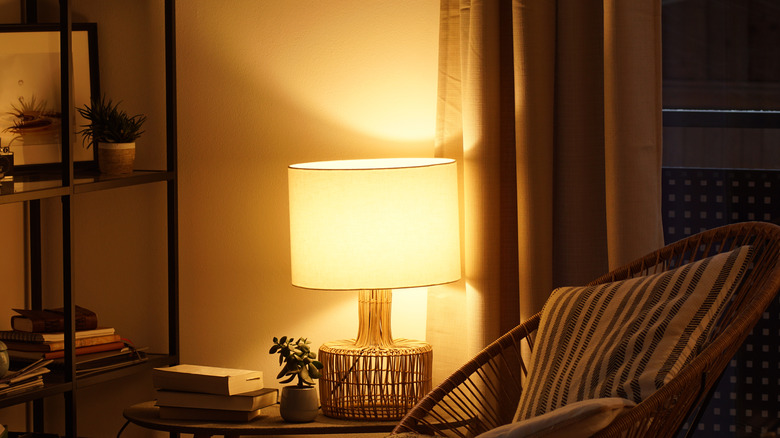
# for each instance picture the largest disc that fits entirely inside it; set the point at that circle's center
(261, 85)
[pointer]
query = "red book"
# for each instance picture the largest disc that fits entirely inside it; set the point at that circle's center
(35, 355)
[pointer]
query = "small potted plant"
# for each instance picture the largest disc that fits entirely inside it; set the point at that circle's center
(113, 132)
(298, 403)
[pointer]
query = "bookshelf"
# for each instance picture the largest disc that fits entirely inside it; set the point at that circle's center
(66, 182)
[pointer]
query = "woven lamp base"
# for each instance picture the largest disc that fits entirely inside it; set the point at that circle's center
(378, 383)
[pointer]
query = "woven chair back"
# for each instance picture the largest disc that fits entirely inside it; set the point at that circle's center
(483, 394)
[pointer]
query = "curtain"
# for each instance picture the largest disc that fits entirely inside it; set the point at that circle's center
(553, 111)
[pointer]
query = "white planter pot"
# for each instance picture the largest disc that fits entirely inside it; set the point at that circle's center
(116, 158)
(299, 404)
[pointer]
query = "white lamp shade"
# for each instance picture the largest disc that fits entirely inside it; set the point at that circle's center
(374, 224)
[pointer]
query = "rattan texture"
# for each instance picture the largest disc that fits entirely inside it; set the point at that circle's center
(483, 394)
(372, 382)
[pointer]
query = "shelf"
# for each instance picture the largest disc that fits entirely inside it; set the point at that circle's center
(62, 181)
(27, 187)
(152, 361)
(19, 188)
(55, 382)
(93, 181)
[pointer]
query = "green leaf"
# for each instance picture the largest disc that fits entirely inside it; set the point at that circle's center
(283, 340)
(314, 372)
(274, 349)
(305, 376)
(288, 380)
(317, 364)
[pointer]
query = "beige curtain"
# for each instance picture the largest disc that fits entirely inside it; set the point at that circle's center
(553, 111)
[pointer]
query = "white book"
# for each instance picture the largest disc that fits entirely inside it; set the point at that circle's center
(249, 401)
(211, 380)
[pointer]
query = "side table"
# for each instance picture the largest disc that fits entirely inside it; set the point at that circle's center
(147, 415)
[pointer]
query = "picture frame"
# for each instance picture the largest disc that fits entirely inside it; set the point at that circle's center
(30, 93)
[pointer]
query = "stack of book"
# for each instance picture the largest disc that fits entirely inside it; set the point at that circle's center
(38, 335)
(29, 377)
(196, 392)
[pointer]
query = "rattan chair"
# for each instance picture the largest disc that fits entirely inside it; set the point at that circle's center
(483, 394)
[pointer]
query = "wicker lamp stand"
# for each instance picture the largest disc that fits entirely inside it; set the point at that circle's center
(374, 376)
(373, 226)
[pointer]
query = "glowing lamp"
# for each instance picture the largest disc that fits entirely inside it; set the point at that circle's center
(373, 226)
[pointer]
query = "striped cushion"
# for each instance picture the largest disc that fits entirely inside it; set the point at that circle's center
(627, 338)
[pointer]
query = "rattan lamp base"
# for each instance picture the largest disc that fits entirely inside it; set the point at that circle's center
(380, 383)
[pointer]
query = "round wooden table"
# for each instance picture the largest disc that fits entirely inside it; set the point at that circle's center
(147, 415)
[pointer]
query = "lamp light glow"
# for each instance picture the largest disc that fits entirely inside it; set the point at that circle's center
(373, 226)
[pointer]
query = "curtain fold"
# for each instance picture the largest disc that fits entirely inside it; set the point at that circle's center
(553, 111)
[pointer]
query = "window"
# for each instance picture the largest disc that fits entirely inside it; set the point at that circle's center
(721, 98)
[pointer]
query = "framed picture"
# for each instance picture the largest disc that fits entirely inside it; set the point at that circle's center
(30, 92)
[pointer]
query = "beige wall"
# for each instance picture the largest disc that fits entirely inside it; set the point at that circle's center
(261, 85)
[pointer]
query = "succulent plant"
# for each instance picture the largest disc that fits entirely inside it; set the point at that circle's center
(298, 360)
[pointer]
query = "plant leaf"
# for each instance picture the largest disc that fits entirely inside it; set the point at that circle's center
(288, 380)
(314, 372)
(305, 376)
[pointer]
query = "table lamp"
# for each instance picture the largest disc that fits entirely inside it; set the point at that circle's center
(373, 226)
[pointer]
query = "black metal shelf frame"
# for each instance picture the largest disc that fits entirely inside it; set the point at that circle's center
(68, 182)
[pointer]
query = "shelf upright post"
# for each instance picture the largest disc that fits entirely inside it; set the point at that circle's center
(172, 185)
(32, 208)
(66, 105)
(29, 11)
(34, 281)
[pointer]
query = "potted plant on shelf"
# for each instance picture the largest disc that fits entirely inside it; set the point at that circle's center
(298, 403)
(113, 132)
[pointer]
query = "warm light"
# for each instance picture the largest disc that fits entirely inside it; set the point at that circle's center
(374, 224)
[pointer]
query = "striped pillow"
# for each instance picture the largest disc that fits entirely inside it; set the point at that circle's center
(627, 338)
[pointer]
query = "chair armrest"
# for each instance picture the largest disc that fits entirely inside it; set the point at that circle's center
(482, 394)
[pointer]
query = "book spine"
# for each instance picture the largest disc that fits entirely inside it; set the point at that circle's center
(60, 345)
(16, 335)
(86, 350)
(59, 354)
(50, 322)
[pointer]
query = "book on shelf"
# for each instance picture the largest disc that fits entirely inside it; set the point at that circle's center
(60, 345)
(27, 385)
(207, 379)
(18, 335)
(25, 379)
(108, 360)
(51, 320)
(35, 355)
(174, 413)
(249, 401)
